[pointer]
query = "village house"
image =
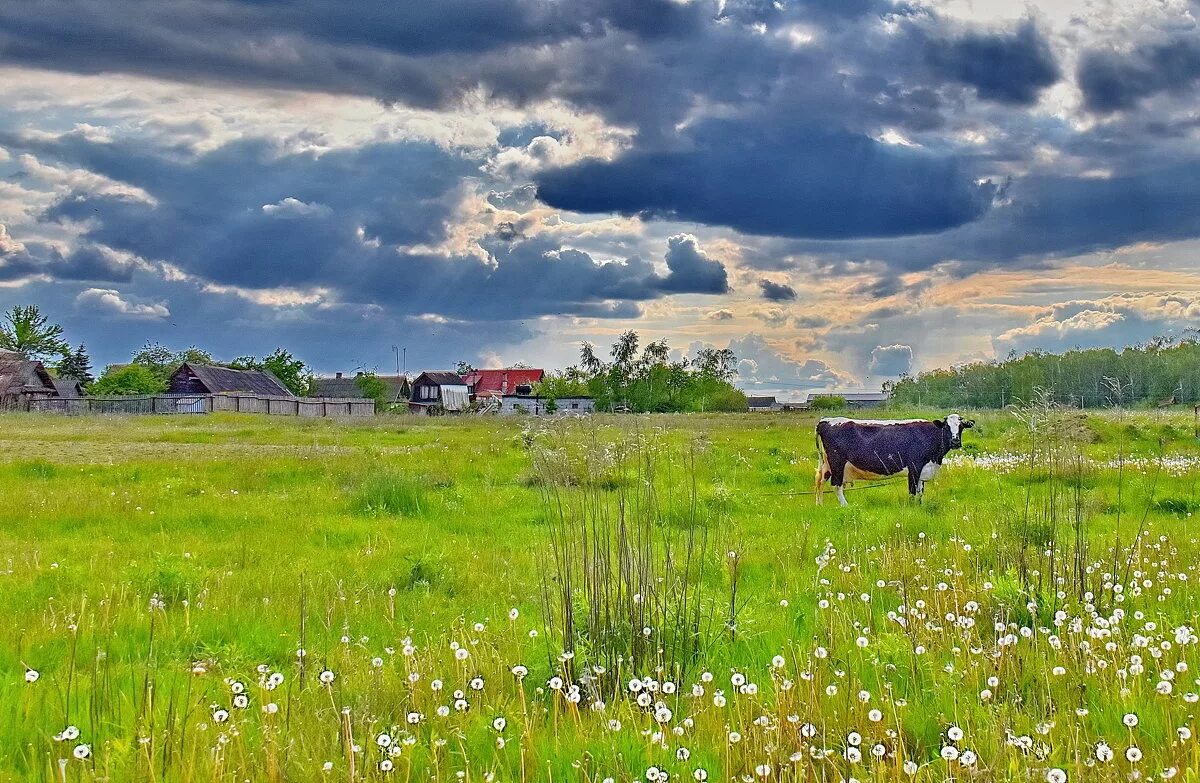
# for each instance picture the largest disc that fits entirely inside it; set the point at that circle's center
(855, 399)
(346, 386)
(494, 384)
(208, 379)
(759, 404)
(23, 382)
(439, 391)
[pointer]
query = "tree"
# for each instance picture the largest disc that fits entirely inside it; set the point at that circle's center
(28, 332)
(130, 379)
(830, 403)
(76, 365)
(716, 363)
(290, 371)
(464, 368)
(163, 362)
(373, 387)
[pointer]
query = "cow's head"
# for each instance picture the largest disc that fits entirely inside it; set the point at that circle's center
(954, 426)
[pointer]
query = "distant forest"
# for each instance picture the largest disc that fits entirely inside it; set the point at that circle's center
(1162, 371)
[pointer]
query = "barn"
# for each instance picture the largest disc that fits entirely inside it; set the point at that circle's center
(855, 399)
(439, 391)
(23, 381)
(209, 379)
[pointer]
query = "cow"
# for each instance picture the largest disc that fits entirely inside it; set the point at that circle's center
(852, 449)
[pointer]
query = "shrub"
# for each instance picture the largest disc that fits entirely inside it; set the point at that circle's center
(832, 403)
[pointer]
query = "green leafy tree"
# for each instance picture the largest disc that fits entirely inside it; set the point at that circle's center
(163, 362)
(375, 388)
(127, 380)
(290, 371)
(28, 332)
(464, 368)
(76, 365)
(830, 403)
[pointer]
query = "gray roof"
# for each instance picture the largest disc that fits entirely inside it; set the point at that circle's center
(760, 402)
(68, 387)
(347, 386)
(443, 378)
(223, 380)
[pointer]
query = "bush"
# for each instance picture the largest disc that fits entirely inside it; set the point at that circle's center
(129, 380)
(833, 403)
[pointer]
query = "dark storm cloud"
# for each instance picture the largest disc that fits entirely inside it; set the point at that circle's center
(690, 270)
(1010, 67)
(806, 183)
(251, 216)
(776, 292)
(1114, 81)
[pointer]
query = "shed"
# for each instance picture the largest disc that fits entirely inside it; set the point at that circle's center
(68, 387)
(345, 386)
(437, 391)
(23, 381)
(209, 379)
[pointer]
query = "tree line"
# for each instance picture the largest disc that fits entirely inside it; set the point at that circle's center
(1163, 371)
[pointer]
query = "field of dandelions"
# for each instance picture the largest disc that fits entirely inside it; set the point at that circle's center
(654, 599)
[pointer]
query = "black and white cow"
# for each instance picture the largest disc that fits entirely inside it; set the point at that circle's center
(852, 449)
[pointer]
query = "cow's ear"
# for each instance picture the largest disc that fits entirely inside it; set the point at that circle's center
(968, 424)
(940, 422)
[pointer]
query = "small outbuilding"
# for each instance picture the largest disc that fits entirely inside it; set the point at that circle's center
(209, 379)
(68, 387)
(439, 391)
(855, 399)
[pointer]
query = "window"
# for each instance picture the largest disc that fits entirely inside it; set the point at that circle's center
(574, 405)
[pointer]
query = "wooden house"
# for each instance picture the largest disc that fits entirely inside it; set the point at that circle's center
(439, 391)
(495, 384)
(209, 379)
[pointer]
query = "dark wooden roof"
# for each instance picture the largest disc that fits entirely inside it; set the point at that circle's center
(223, 380)
(760, 402)
(441, 378)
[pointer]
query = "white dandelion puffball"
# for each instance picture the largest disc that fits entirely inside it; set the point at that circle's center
(1056, 775)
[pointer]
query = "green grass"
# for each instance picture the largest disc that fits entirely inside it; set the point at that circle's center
(147, 564)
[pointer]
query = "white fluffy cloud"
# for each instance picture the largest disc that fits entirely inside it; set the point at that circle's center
(111, 302)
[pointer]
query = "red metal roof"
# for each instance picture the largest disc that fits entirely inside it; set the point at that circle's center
(489, 382)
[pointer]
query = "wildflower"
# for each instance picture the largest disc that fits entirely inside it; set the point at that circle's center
(874, 716)
(513, 613)
(499, 723)
(700, 774)
(241, 701)
(326, 677)
(82, 751)
(220, 716)
(778, 662)
(950, 753)
(1185, 733)
(414, 718)
(910, 767)
(386, 765)
(1056, 775)
(854, 738)
(968, 758)
(683, 754)
(954, 733)
(270, 708)
(477, 684)
(1130, 720)
(70, 733)
(519, 671)
(556, 683)
(384, 740)
(31, 675)
(853, 755)
(1133, 754)
(462, 654)
(734, 738)
(763, 770)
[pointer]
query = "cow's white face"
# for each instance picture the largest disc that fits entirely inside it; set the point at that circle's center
(955, 424)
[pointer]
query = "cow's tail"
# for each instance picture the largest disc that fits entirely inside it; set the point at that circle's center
(823, 472)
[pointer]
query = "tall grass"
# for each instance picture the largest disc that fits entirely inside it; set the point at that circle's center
(629, 549)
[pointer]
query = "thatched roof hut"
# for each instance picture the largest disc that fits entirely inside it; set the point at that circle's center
(22, 380)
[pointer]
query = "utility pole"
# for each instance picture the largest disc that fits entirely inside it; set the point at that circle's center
(396, 352)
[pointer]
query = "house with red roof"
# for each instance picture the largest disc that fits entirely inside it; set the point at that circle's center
(496, 384)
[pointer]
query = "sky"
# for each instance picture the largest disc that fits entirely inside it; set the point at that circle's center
(841, 191)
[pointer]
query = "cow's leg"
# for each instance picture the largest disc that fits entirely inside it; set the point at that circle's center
(914, 481)
(837, 477)
(819, 480)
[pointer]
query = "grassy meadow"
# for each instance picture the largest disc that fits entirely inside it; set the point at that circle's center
(243, 598)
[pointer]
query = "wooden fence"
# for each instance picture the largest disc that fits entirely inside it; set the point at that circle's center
(311, 407)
